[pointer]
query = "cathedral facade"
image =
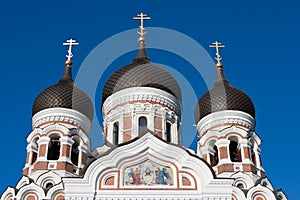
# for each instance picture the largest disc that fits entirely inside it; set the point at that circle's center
(143, 156)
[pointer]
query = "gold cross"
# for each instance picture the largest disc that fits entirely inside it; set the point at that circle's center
(142, 17)
(217, 45)
(70, 43)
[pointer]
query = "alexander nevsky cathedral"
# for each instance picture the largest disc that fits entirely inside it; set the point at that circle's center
(143, 157)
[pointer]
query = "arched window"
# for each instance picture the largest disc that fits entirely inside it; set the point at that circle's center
(142, 125)
(116, 133)
(53, 148)
(75, 152)
(234, 151)
(34, 150)
(168, 132)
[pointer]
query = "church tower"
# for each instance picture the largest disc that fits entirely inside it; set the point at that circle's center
(139, 97)
(61, 121)
(225, 118)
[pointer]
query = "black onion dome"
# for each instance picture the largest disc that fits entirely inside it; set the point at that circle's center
(221, 97)
(141, 73)
(64, 94)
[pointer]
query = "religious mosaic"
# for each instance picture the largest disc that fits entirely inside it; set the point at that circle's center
(148, 173)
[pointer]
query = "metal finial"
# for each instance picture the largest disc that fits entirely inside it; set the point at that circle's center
(218, 57)
(70, 43)
(142, 17)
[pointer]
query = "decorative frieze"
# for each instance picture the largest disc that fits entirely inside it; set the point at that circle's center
(61, 115)
(221, 118)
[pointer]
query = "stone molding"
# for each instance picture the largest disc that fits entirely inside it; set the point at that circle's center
(136, 94)
(62, 115)
(233, 117)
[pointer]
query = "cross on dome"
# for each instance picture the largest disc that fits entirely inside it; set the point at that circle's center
(142, 17)
(218, 57)
(70, 43)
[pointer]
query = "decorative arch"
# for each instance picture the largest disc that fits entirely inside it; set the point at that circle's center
(22, 182)
(237, 194)
(234, 130)
(266, 183)
(31, 196)
(187, 181)
(242, 178)
(31, 192)
(260, 192)
(59, 196)
(48, 177)
(56, 192)
(8, 194)
(55, 132)
(109, 180)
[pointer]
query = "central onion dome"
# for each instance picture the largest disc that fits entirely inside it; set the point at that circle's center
(64, 94)
(141, 73)
(223, 96)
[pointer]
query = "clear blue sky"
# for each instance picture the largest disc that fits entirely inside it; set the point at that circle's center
(261, 58)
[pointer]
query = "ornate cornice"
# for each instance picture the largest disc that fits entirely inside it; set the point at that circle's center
(61, 115)
(136, 94)
(233, 117)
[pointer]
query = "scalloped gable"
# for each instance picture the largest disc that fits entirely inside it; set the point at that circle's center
(148, 164)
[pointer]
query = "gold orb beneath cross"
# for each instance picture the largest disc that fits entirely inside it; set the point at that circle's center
(68, 63)
(219, 65)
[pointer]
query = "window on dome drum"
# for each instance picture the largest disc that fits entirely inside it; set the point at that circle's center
(116, 133)
(235, 153)
(142, 125)
(75, 152)
(53, 148)
(168, 132)
(34, 150)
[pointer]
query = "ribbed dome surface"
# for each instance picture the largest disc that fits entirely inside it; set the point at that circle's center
(221, 97)
(141, 73)
(64, 94)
